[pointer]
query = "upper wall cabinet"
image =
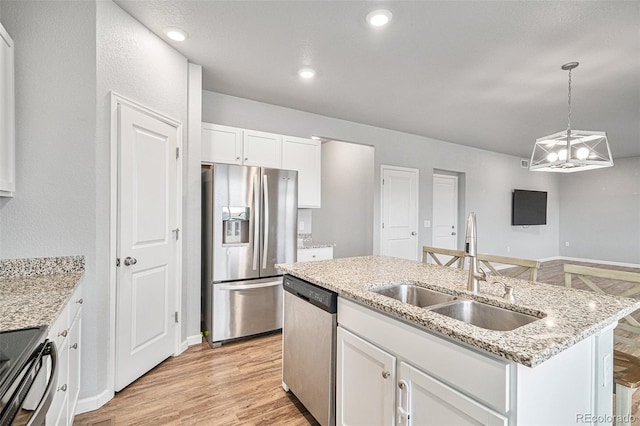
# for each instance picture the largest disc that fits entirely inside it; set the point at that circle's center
(261, 149)
(304, 155)
(221, 144)
(7, 116)
(231, 145)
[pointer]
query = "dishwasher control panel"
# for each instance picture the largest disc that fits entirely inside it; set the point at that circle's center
(322, 298)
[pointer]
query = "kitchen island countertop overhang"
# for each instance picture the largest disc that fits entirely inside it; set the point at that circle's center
(568, 316)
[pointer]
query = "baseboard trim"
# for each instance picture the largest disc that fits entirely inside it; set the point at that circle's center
(602, 262)
(94, 402)
(194, 340)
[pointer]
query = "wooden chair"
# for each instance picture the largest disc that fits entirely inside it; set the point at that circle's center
(434, 252)
(626, 366)
(525, 265)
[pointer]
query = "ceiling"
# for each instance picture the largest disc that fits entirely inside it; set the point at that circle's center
(478, 73)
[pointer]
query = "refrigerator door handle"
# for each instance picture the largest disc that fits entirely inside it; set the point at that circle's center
(250, 286)
(256, 222)
(265, 229)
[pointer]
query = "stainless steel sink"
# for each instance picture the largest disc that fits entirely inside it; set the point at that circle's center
(484, 316)
(415, 295)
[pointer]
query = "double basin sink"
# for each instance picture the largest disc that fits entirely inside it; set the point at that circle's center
(467, 311)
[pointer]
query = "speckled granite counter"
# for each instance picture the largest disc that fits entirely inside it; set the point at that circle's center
(312, 245)
(569, 315)
(33, 291)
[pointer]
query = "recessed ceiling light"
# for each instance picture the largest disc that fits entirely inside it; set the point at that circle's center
(307, 73)
(176, 34)
(379, 18)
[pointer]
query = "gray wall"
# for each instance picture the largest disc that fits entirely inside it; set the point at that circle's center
(54, 210)
(134, 63)
(600, 215)
(69, 55)
(489, 177)
(346, 216)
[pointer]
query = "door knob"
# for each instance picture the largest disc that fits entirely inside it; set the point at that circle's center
(453, 233)
(130, 261)
(413, 233)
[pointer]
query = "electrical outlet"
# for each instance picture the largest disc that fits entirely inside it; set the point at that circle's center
(427, 224)
(566, 244)
(508, 249)
(301, 226)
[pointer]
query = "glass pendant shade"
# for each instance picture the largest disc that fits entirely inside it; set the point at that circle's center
(584, 150)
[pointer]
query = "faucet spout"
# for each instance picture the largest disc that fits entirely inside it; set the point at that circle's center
(470, 249)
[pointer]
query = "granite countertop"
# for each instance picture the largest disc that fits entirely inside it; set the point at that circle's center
(568, 315)
(34, 291)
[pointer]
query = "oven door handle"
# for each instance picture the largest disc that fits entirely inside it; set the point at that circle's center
(232, 287)
(40, 414)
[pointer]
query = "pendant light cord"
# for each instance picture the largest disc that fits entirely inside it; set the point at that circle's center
(569, 105)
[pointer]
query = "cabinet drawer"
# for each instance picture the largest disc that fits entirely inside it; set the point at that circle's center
(322, 253)
(60, 328)
(75, 303)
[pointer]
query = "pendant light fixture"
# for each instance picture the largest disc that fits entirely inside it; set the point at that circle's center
(571, 150)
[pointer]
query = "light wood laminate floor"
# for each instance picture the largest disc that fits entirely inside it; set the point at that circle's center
(237, 384)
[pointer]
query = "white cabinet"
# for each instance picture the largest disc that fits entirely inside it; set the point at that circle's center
(366, 384)
(304, 155)
(433, 381)
(221, 144)
(65, 332)
(424, 400)
(261, 149)
(7, 116)
(231, 145)
(320, 253)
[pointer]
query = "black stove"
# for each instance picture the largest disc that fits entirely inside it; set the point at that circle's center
(17, 351)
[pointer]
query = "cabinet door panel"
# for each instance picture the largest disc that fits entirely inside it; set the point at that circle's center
(321, 253)
(431, 402)
(261, 149)
(74, 364)
(7, 115)
(365, 382)
(221, 144)
(304, 155)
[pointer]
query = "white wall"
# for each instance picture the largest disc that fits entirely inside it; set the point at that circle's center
(136, 64)
(490, 177)
(69, 55)
(600, 215)
(54, 210)
(346, 216)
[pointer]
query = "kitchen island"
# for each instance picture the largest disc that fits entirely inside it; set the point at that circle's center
(555, 370)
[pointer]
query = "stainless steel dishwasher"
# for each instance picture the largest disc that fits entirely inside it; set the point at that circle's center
(309, 347)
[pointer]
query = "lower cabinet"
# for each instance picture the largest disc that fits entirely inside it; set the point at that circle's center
(319, 253)
(65, 332)
(389, 373)
(424, 400)
(365, 391)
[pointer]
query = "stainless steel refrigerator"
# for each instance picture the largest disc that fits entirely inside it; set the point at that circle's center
(249, 224)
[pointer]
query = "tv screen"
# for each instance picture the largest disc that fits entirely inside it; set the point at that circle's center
(529, 207)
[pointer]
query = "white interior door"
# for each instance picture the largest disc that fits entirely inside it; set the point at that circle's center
(399, 212)
(445, 211)
(146, 287)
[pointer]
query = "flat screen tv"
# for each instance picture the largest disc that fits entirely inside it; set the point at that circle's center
(529, 207)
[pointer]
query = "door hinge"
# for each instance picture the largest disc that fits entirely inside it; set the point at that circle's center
(177, 232)
(176, 316)
(382, 225)
(117, 262)
(383, 181)
(177, 153)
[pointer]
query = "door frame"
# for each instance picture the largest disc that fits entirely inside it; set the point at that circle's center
(384, 167)
(456, 179)
(115, 100)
